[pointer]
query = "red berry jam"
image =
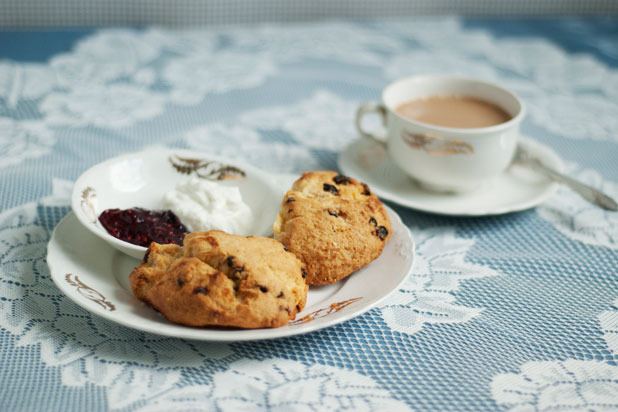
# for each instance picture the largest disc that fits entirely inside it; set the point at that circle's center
(141, 226)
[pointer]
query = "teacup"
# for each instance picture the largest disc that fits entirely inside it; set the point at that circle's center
(441, 158)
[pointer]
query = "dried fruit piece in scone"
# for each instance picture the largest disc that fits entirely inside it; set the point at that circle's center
(222, 280)
(333, 223)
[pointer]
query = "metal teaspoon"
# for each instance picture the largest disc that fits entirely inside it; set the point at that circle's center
(587, 192)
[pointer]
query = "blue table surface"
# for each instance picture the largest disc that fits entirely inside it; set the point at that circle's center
(511, 312)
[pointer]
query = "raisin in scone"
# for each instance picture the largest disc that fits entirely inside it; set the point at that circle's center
(333, 223)
(223, 280)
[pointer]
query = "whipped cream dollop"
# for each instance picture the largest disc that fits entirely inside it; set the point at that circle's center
(205, 205)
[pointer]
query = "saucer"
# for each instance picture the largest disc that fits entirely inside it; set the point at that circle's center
(95, 275)
(518, 188)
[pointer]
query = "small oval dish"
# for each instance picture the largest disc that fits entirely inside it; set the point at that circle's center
(142, 179)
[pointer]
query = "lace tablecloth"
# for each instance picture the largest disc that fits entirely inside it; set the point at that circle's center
(511, 312)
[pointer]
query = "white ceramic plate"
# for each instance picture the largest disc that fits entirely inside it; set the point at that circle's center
(518, 188)
(96, 276)
(141, 179)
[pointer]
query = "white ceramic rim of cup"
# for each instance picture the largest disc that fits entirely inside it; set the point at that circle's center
(520, 113)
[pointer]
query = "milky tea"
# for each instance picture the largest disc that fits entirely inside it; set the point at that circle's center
(454, 111)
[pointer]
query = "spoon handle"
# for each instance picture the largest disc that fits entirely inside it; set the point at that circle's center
(587, 192)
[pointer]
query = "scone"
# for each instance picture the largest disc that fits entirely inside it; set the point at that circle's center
(333, 223)
(223, 280)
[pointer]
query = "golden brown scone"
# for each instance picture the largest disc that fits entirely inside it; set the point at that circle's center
(333, 223)
(223, 280)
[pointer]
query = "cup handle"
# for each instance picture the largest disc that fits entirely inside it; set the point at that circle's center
(372, 107)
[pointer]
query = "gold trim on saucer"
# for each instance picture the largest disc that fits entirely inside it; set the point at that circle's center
(89, 293)
(320, 313)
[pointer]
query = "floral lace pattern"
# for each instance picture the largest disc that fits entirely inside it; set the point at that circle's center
(427, 297)
(580, 220)
(282, 385)
(21, 140)
(555, 385)
(514, 312)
